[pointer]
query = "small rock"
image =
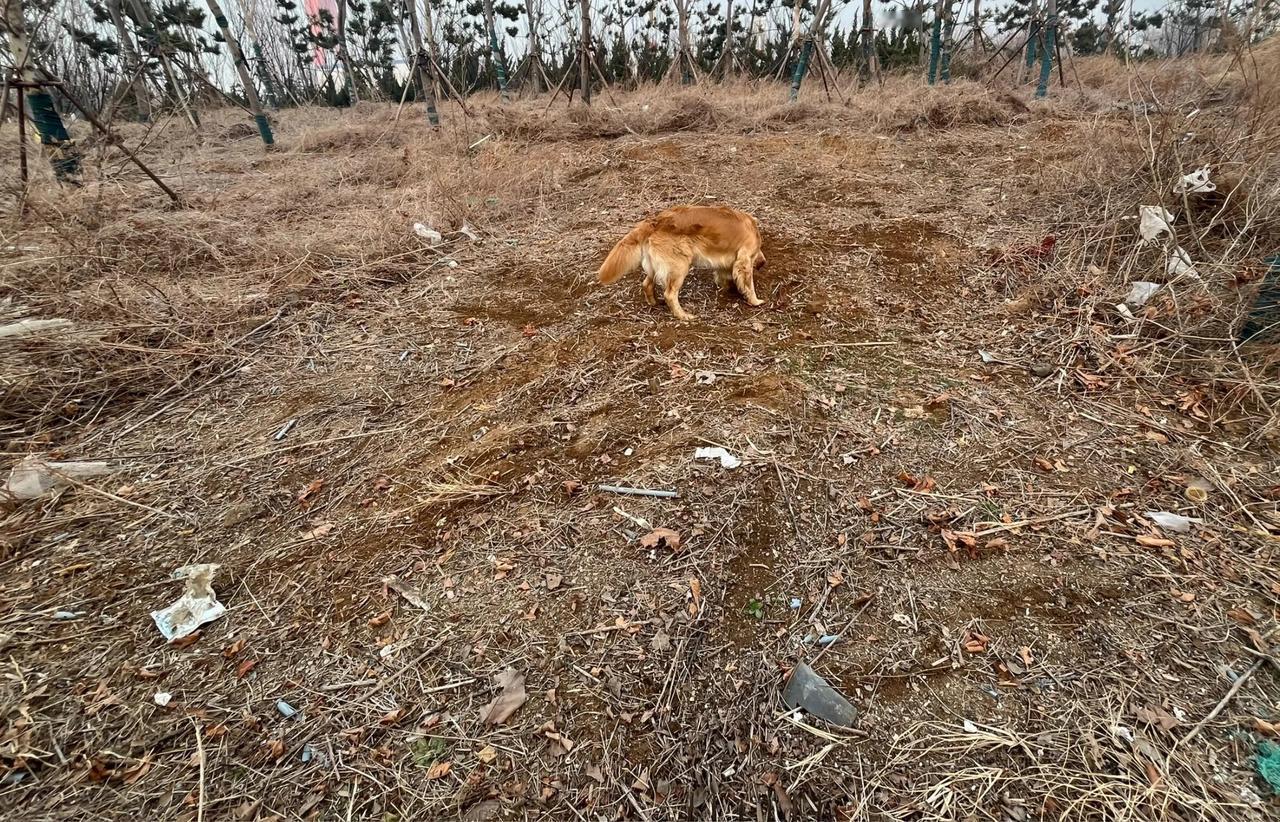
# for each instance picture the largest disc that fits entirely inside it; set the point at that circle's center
(1042, 369)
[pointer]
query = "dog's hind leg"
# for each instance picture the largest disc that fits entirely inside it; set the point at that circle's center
(744, 276)
(648, 283)
(671, 269)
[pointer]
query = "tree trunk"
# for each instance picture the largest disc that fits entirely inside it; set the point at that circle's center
(935, 41)
(151, 38)
(977, 27)
(344, 57)
(684, 55)
(535, 56)
(260, 63)
(242, 68)
(495, 53)
(132, 62)
(866, 66)
(584, 53)
(806, 50)
(423, 72)
(63, 155)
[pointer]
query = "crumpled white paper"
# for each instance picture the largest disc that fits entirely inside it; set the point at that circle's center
(1195, 183)
(1154, 222)
(34, 477)
(727, 460)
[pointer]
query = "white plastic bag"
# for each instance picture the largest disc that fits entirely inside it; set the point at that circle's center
(1154, 222)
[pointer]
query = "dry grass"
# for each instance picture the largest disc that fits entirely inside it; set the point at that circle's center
(295, 386)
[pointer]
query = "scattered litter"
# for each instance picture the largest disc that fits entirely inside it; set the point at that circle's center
(805, 689)
(162, 698)
(197, 605)
(1172, 522)
(1122, 732)
(34, 477)
(411, 595)
(795, 603)
(1267, 764)
(727, 460)
(68, 614)
(1124, 311)
(1139, 292)
(704, 377)
(827, 640)
(285, 429)
(25, 328)
(429, 234)
(468, 232)
(637, 492)
(1197, 491)
(987, 356)
(1153, 222)
(970, 728)
(286, 710)
(308, 753)
(1195, 183)
(628, 452)
(1178, 264)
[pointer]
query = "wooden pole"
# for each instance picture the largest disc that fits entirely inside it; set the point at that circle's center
(246, 79)
(132, 62)
(535, 56)
(426, 85)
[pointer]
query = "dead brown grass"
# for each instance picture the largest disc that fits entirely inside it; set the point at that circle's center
(294, 385)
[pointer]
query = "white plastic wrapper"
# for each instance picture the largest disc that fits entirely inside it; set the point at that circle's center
(1154, 222)
(1197, 182)
(197, 606)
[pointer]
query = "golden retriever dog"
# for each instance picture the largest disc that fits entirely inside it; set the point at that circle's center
(667, 245)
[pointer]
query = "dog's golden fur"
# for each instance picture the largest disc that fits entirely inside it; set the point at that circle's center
(667, 245)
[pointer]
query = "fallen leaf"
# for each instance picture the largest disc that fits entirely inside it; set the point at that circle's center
(661, 538)
(1153, 542)
(1265, 727)
(243, 669)
(835, 579)
(505, 704)
(138, 771)
(594, 772)
(1044, 464)
(553, 581)
(1157, 716)
(438, 770)
(392, 717)
(695, 588)
(380, 620)
(319, 530)
(183, 642)
(275, 747)
(529, 330)
(487, 754)
(661, 642)
(570, 487)
(1024, 653)
(310, 491)
(234, 648)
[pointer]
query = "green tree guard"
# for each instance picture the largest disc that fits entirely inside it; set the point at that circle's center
(948, 33)
(802, 65)
(1033, 36)
(1046, 53)
(64, 157)
(499, 64)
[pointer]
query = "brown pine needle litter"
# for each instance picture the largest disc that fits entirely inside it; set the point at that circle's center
(289, 382)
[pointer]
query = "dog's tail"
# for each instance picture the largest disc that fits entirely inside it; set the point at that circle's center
(625, 256)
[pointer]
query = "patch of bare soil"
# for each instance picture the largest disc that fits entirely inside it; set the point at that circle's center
(294, 386)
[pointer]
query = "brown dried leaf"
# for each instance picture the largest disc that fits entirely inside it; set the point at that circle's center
(319, 529)
(182, 642)
(1153, 542)
(380, 620)
(661, 538)
(487, 754)
(439, 770)
(661, 642)
(392, 717)
(311, 490)
(243, 669)
(976, 643)
(275, 747)
(505, 704)
(553, 581)
(234, 648)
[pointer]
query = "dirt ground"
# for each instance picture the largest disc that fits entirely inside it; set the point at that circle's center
(394, 450)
